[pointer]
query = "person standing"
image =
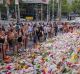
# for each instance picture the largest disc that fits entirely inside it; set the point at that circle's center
(45, 32)
(40, 33)
(35, 36)
(55, 29)
(30, 30)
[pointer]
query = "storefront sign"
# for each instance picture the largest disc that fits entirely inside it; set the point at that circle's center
(29, 18)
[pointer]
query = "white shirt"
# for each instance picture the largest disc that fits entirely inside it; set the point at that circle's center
(60, 26)
(49, 29)
(45, 29)
(30, 29)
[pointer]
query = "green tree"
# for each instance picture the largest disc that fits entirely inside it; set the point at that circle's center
(66, 7)
(76, 6)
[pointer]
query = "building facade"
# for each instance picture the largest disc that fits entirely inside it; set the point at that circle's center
(34, 9)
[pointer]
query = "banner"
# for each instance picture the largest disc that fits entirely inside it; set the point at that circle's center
(36, 1)
(1, 1)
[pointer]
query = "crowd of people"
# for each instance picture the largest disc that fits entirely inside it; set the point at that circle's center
(17, 35)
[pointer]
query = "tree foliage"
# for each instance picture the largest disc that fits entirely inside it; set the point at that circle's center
(76, 6)
(66, 7)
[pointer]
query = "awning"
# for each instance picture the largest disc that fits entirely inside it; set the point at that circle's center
(36, 1)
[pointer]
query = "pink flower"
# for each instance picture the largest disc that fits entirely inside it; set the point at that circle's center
(8, 67)
(8, 72)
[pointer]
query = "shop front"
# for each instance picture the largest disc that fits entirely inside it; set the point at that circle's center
(36, 9)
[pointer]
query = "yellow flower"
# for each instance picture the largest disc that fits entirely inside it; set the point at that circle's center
(74, 57)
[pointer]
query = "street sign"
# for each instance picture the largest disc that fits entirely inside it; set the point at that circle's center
(1, 1)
